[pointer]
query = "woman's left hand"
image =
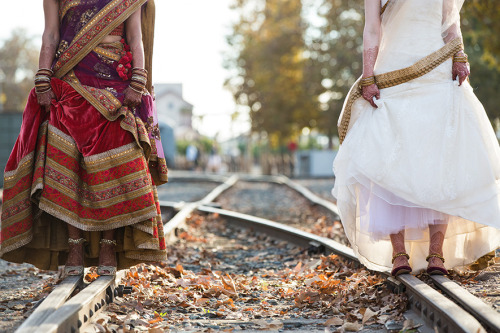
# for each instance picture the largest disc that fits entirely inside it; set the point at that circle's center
(460, 69)
(132, 98)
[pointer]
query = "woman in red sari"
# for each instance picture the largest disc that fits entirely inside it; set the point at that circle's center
(80, 184)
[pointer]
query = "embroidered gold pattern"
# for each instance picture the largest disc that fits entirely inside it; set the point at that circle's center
(113, 14)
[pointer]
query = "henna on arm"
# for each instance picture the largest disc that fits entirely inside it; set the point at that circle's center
(371, 40)
(460, 70)
(50, 41)
(134, 39)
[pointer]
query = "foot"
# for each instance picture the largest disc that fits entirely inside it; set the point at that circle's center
(436, 266)
(400, 266)
(107, 259)
(74, 263)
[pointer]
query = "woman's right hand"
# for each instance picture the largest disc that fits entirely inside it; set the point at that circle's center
(45, 99)
(368, 92)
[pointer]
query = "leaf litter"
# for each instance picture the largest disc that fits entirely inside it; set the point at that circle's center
(222, 278)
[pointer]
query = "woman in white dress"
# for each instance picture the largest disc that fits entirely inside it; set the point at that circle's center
(418, 171)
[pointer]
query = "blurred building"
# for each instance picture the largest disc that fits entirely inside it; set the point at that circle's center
(176, 111)
(174, 118)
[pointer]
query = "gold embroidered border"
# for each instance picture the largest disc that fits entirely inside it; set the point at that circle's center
(72, 60)
(115, 160)
(67, 5)
(14, 218)
(23, 168)
(95, 187)
(111, 154)
(394, 78)
(109, 106)
(63, 142)
(14, 201)
(108, 54)
(104, 203)
(15, 242)
(93, 225)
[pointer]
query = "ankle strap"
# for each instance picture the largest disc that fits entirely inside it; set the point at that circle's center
(107, 241)
(400, 254)
(78, 241)
(434, 255)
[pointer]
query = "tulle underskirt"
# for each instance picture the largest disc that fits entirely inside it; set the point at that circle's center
(427, 155)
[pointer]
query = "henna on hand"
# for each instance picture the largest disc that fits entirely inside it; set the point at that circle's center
(460, 70)
(369, 92)
(132, 98)
(45, 99)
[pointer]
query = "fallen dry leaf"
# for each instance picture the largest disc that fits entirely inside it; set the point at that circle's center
(369, 314)
(335, 321)
(352, 327)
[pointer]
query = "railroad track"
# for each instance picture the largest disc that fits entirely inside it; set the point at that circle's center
(61, 313)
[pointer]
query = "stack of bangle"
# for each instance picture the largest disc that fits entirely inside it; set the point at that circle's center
(138, 79)
(367, 81)
(42, 80)
(460, 58)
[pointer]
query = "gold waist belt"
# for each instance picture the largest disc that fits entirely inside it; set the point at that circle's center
(391, 79)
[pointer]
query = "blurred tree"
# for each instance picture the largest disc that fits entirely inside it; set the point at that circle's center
(338, 56)
(268, 67)
(482, 18)
(18, 63)
(480, 27)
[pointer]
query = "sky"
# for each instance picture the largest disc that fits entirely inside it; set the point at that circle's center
(189, 43)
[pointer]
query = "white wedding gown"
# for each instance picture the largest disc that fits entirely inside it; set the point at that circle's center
(428, 154)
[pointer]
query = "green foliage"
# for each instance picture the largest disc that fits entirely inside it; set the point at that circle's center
(181, 146)
(480, 28)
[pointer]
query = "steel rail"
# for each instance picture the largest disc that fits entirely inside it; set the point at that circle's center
(483, 312)
(435, 309)
(488, 317)
(187, 209)
(50, 304)
(59, 314)
(438, 311)
(77, 312)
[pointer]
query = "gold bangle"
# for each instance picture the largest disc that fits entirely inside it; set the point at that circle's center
(134, 89)
(368, 81)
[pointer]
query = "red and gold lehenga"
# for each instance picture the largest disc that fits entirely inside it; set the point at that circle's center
(90, 162)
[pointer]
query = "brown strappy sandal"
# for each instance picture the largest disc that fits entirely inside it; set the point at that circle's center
(436, 270)
(405, 269)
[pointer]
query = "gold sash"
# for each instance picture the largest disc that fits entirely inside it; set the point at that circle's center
(394, 78)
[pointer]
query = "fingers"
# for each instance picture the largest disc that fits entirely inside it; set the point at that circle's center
(373, 103)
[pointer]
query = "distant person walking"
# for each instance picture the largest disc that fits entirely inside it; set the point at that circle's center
(192, 156)
(418, 172)
(85, 167)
